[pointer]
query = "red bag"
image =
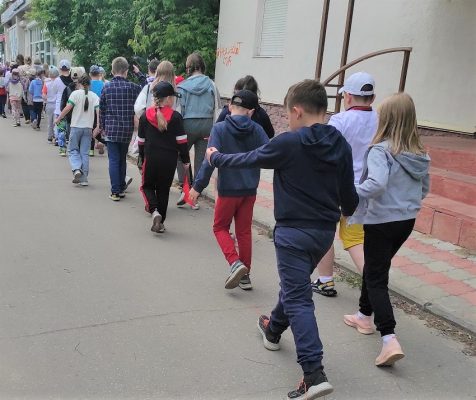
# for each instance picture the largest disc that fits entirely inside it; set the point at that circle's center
(186, 186)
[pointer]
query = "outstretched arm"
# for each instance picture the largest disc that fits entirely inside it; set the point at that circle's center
(273, 155)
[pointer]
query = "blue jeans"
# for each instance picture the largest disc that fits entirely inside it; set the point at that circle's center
(298, 251)
(78, 150)
(117, 153)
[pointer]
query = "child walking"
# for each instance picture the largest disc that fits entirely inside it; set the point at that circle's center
(358, 124)
(85, 106)
(3, 93)
(394, 181)
(161, 135)
(36, 92)
(236, 188)
(15, 95)
(313, 183)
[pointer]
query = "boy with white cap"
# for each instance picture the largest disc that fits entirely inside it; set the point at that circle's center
(358, 124)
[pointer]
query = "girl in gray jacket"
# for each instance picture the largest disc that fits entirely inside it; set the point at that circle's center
(394, 181)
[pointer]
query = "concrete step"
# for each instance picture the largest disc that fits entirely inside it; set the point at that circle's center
(453, 185)
(453, 154)
(448, 220)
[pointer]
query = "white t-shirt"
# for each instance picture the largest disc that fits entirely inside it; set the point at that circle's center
(81, 118)
(358, 127)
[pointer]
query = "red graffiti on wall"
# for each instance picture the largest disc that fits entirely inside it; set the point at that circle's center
(227, 53)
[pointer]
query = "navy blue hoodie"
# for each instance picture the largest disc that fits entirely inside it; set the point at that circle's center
(237, 134)
(313, 175)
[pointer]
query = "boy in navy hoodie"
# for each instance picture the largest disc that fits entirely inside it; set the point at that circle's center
(313, 183)
(236, 188)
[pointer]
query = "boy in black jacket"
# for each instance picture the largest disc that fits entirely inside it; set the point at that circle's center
(313, 184)
(236, 188)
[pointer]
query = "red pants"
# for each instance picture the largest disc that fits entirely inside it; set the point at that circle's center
(241, 209)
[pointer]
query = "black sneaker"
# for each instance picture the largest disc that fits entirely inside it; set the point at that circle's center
(245, 282)
(312, 386)
(270, 339)
(326, 289)
(181, 201)
(237, 271)
(122, 195)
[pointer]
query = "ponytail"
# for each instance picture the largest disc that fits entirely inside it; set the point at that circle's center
(85, 82)
(161, 121)
(86, 100)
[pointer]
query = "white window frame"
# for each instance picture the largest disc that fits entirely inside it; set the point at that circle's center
(259, 32)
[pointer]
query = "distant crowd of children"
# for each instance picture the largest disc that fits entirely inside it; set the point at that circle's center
(364, 170)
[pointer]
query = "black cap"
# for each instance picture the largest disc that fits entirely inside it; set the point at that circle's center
(246, 99)
(164, 89)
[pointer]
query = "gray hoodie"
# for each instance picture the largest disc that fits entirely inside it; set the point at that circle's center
(392, 186)
(198, 97)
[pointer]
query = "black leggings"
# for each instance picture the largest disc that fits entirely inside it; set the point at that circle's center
(381, 243)
(26, 109)
(157, 175)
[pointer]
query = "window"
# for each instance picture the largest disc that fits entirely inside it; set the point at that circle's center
(40, 45)
(272, 20)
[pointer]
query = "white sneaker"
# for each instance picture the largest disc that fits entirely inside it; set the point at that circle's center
(84, 184)
(196, 206)
(77, 176)
(156, 222)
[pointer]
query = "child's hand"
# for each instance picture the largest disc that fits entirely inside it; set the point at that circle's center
(186, 165)
(209, 153)
(57, 121)
(193, 195)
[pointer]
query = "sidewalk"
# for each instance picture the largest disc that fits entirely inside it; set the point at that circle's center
(438, 276)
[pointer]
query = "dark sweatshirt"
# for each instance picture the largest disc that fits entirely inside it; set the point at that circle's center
(154, 143)
(260, 116)
(237, 134)
(313, 175)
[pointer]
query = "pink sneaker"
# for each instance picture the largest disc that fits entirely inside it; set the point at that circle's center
(363, 326)
(391, 352)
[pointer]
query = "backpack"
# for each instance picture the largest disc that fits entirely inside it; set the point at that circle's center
(64, 100)
(3, 90)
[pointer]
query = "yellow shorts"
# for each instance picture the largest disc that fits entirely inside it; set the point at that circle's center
(351, 235)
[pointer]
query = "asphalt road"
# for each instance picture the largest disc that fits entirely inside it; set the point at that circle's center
(95, 306)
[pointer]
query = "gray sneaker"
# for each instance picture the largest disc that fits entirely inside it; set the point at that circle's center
(77, 176)
(238, 270)
(245, 282)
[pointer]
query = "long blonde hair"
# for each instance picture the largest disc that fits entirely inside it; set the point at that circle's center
(165, 72)
(398, 125)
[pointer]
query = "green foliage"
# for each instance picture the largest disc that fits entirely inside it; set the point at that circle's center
(99, 30)
(172, 29)
(95, 30)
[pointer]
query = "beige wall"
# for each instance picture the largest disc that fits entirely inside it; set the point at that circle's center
(441, 75)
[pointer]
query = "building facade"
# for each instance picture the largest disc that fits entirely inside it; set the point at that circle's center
(22, 36)
(278, 42)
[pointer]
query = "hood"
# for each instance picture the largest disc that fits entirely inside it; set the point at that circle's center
(151, 114)
(197, 84)
(415, 165)
(238, 125)
(321, 141)
(66, 80)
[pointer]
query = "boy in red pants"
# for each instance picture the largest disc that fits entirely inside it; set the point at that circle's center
(236, 188)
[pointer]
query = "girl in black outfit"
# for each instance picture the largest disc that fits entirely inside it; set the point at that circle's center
(160, 137)
(259, 116)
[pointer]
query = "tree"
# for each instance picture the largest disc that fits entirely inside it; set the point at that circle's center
(172, 29)
(96, 31)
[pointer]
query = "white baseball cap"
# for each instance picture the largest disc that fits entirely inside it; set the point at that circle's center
(354, 84)
(64, 65)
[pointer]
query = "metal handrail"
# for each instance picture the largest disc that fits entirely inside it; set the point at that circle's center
(340, 72)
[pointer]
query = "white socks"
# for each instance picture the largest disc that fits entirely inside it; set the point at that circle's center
(362, 316)
(325, 279)
(155, 214)
(388, 338)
